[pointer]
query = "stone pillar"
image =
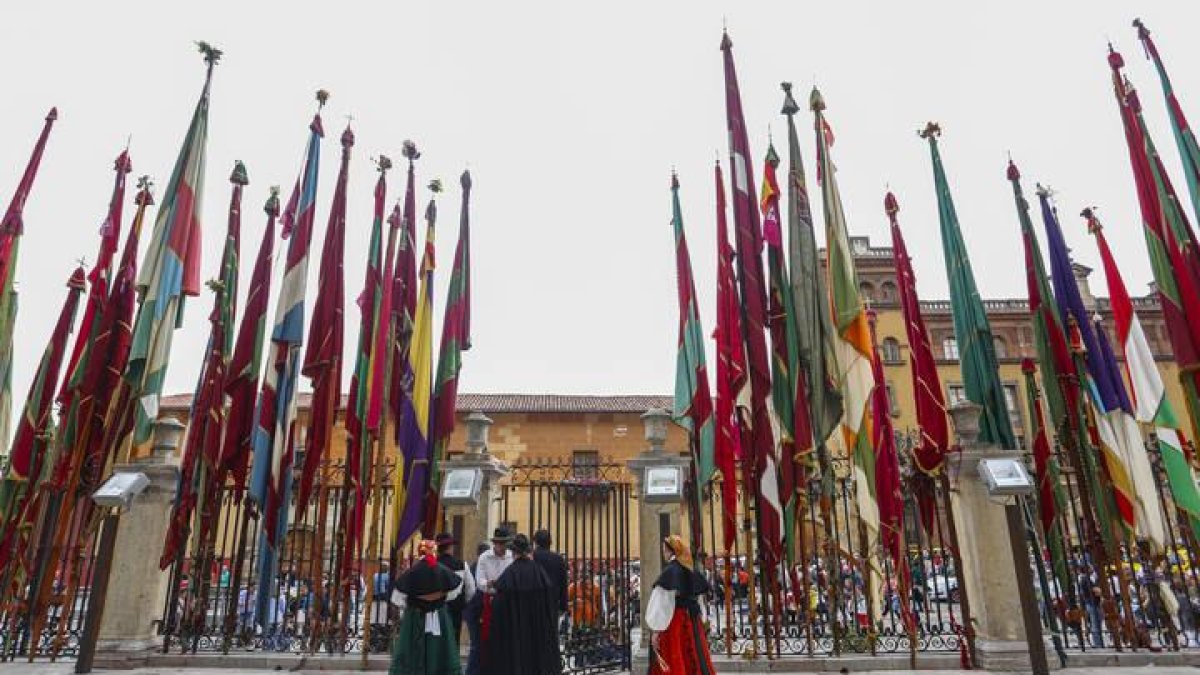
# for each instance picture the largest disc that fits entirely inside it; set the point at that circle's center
(479, 518)
(658, 514)
(989, 567)
(137, 589)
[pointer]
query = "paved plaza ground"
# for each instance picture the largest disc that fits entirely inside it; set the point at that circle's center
(68, 668)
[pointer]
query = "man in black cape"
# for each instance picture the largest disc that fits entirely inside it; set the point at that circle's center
(524, 632)
(553, 564)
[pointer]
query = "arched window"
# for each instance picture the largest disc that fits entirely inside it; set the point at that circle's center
(889, 350)
(888, 293)
(950, 348)
(867, 290)
(1000, 347)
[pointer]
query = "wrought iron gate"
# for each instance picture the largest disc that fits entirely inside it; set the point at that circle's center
(587, 510)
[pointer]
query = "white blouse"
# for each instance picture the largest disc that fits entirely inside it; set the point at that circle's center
(660, 609)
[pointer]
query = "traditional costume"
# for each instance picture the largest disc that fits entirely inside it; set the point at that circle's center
(425, 643)
(488, 568)
(524, 621)
(679, 643)
(455, 606)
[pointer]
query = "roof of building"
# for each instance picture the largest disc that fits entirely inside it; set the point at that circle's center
(510, 403)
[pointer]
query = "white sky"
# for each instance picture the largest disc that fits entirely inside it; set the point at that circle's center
(570, 117)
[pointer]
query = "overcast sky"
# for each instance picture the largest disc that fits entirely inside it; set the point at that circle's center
(570, 116)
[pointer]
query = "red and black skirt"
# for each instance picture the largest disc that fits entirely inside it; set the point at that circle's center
(682, 649)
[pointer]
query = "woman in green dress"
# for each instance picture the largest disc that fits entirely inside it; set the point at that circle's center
(425, 643)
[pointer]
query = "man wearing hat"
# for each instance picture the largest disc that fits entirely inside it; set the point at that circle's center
(488, 568)
(455, 607)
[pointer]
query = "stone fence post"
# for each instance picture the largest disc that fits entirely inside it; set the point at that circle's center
(659, 480)
(991, 562)
(472, 517)
(137, 589)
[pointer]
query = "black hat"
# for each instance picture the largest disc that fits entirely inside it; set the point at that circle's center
(502, 535)
(444, 539)
(520, 544)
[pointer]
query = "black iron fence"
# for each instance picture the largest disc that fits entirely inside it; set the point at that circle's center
(1098, 586)
(587, 513)
(212, 602)
(838, 594)
(49, 629)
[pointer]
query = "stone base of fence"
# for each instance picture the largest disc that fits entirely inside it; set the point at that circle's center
(935, 662)
(257, 661)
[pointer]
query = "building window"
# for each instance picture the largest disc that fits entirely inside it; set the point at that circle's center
(1000, 347)
(950, 348)
(867, 291)
(1012, 402)
(887, 292)
(955, 394)
(585, 464)
(893, 405)
(889, 350)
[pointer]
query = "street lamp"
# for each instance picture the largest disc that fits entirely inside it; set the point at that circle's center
(655, 421)
(965, 416)
(168, 432)
(477, 432)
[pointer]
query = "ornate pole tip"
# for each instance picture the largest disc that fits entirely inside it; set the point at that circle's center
(772, 156)
(409, 150)
(272, 206)
(816, 102)
(212, 55)
(145, 195)
(890, 206)
(1013, 173)
(348, 138)
(123, 164)
(726, 43)
(1115, 60)
(78, 280)
(52, 115)
(322, 98)
(435, 185)
(674, 179)
(931, 130)
(1143, 32)
(239, 177)
(789, 103)
(465, 179)
(383, 163)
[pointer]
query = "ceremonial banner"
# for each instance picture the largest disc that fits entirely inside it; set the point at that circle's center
(731, 374)
(171, 270)
(749, 241)
(271, 475)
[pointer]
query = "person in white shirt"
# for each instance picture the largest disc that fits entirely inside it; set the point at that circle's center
(488, 568)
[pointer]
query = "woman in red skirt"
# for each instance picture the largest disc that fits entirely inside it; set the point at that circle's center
(678, 644)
